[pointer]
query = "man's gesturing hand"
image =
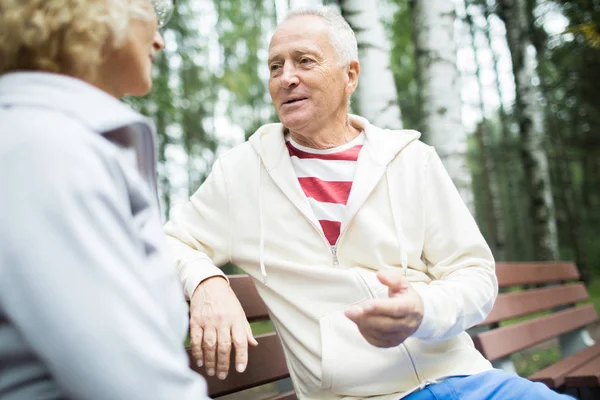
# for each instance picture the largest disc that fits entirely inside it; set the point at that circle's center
(218, 320)
(388, 322)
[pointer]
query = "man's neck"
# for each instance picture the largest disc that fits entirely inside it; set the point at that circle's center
(328, 137)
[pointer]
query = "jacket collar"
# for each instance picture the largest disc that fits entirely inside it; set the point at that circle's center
(380, 148)
(94, 108)
(383, 144)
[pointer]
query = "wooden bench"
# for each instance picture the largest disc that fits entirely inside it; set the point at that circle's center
(551, 292)
(577, 373)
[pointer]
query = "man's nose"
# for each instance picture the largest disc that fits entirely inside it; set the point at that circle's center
(289, 77)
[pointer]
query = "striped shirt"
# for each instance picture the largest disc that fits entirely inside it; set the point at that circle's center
(326, 178)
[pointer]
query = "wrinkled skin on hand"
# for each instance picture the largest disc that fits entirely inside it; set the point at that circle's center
(217, 321)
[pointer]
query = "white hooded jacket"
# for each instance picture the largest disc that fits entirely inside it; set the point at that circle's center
(403, 212)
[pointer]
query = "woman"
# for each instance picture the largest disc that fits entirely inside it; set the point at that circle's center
(89, 305)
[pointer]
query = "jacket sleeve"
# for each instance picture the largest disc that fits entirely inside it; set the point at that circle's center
(198, 233)
(465, 286)
(71, 279)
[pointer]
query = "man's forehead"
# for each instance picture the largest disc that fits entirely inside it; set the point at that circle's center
(293, 46)
(303, 32)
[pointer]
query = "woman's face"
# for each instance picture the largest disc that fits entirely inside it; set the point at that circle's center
(128, 69)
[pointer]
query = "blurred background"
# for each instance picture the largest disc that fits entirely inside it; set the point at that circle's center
(506, 90)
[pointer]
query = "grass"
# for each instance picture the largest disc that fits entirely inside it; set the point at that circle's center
(528, 362)
(594, 291)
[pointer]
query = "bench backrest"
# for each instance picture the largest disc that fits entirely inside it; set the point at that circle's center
(547, 288)
(267, 361)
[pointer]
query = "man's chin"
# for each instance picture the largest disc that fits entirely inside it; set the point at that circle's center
(295, 122)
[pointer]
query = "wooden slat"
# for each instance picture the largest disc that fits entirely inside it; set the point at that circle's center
(253, 306)
(554, 376)
(588, 375)
(521, 273)
(516, 304)
(266, 363)
(503, 341)
(291, 395)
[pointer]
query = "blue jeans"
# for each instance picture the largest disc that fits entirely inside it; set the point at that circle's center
(489, 385)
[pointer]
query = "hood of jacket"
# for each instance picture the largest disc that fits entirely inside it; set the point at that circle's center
(269, 142)
(91, 107)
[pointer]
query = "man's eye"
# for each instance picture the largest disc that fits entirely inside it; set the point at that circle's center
(274, 67)
(305, 60)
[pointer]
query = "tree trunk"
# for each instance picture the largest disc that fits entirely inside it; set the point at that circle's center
(531, 130)
(376, 95)
(439, 89)
(495, 222)
(514, 249)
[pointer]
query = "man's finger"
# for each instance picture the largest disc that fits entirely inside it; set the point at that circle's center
(394, 279)
(354, 313)
(240, 341)
(251, 339)
(196, 335)
(391, 307)
(223, 352)
(384, 327)
(209, 347)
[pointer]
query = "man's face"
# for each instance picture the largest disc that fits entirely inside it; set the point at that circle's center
(307, 84)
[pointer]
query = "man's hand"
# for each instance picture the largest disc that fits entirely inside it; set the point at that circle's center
(388, 322)
(217, 319)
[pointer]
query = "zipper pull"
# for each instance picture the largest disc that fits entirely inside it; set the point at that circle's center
(334, 252)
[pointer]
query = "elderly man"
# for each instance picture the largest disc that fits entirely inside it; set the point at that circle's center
(357, 240)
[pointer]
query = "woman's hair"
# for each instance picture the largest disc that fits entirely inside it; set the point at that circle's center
(64, 36)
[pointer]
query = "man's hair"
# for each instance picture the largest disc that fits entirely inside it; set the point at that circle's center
(341, 35)
(64, 36)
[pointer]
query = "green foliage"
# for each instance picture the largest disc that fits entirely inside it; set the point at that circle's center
(242, 37)
(402, 63)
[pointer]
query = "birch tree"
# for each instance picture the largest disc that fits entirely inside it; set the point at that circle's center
(530, 119)
(376, 93)
(439, 89)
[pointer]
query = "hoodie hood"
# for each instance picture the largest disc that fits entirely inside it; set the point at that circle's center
(90, 106)
(94, 108)
(268, 141)
(380, 148)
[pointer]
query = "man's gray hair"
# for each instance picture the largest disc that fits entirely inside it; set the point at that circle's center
(341, 35)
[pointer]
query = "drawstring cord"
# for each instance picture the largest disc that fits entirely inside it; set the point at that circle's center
(263, 269)
(393, 205)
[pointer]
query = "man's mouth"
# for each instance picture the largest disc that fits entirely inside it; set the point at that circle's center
(292, 101)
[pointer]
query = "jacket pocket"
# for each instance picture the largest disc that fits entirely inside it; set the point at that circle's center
(353, 367)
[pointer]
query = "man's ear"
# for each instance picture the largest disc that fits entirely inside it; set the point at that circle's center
(353, 72)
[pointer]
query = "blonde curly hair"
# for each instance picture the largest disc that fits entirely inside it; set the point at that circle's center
(64, 36)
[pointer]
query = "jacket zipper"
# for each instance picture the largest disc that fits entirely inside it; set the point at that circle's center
(336, 262)
(412, 363)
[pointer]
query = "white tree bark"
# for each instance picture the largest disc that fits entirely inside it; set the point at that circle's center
(439, 89)
(531, 129)
(376, 95)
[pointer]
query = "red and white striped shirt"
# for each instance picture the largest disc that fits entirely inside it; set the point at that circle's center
(326, 178)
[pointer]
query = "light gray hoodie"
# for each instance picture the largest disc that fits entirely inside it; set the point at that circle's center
(90, 307)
